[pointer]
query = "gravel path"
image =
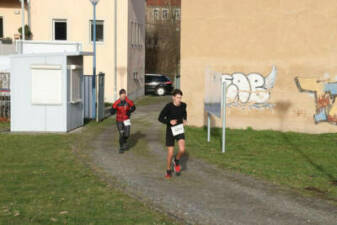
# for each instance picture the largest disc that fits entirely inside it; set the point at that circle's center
(203, 194)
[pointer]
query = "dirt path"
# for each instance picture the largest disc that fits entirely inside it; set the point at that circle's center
(203, 194)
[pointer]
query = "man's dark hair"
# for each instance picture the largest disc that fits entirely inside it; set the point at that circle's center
(122, 91)
(177, 92)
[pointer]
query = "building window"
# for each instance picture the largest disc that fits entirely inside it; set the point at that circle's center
(165, 14)
(156, 14)
(135, 75)
(60, 30)
(177, 14)
(133, 25)
(136, 34)
(1, 28)
(75, 83)
(99, 30)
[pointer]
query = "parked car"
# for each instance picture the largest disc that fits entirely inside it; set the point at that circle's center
(157, 84)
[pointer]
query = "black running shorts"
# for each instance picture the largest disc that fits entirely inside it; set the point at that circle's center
(170, 139)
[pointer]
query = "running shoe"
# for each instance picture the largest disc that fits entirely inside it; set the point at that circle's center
(176, 167)
(168, 174)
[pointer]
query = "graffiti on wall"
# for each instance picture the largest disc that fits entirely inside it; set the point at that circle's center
(252, 90)
(325, 92)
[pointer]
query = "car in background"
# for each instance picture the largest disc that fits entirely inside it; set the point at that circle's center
(158, 84)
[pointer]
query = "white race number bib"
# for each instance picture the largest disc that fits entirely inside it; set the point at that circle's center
(178, 129)
(127, 122)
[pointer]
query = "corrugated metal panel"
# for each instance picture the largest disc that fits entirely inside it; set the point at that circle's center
(4, 96)
(87, 96)
(101, 106)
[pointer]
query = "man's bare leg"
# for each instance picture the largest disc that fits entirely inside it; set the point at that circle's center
(181, 145)
(170, 151)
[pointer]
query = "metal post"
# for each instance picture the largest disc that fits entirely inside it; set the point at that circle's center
(209, 128)
(29, 14)
(23, 19)
(223, 102)
(94, 66)
(98, 79)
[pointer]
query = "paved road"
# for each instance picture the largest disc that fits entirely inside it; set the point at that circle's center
(203, 194)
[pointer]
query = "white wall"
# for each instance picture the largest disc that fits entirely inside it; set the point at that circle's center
(26, 117)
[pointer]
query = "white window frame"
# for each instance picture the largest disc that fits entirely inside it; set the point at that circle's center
(135, 75)
(156, 17)
(177, 12)
(136, 38)
(75, 97)
(91, 24)
(58, 21)
(132, 34)
(137, 32)
(140, 35)
(165, 10)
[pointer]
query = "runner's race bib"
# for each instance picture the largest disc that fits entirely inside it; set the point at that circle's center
(127, 122)
(178, 129)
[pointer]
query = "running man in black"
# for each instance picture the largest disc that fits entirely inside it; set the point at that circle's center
(174, 115)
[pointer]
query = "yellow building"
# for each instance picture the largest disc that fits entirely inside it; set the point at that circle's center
(120, 35)
(244, 39)
(10, 18)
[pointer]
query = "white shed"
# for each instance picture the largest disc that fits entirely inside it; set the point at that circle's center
(47, 92)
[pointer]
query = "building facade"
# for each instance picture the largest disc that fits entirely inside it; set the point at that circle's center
(120, 35)
(163, 36)
(279, 59)
(10, 18)
(158, 11)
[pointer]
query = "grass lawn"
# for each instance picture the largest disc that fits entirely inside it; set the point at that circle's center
(44, 181)
(304, 162)
(4, 126)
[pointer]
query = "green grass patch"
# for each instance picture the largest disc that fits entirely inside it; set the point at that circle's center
(4, 126)
(304, 162)
(43, 181)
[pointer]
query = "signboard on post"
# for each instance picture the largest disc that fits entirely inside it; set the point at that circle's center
(215, 102)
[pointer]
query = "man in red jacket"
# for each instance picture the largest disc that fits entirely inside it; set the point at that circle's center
(124, 107)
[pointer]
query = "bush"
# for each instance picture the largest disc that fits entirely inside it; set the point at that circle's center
(28, 33)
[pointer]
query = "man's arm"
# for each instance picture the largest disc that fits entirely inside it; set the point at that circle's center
(132, 107)
(114, 107)
(163, 116)
(185, 115)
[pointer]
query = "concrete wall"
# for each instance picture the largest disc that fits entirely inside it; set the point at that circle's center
(243, 36)
(136, 56)
(10, 11)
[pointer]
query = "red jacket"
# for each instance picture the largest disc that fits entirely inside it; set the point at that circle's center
(123, 108)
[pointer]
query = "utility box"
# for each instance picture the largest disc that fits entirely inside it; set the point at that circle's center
(47, 92)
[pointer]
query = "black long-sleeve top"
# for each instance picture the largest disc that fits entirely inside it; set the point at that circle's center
(172, 112)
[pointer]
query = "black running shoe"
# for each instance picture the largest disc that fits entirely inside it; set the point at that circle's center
(168, 174)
